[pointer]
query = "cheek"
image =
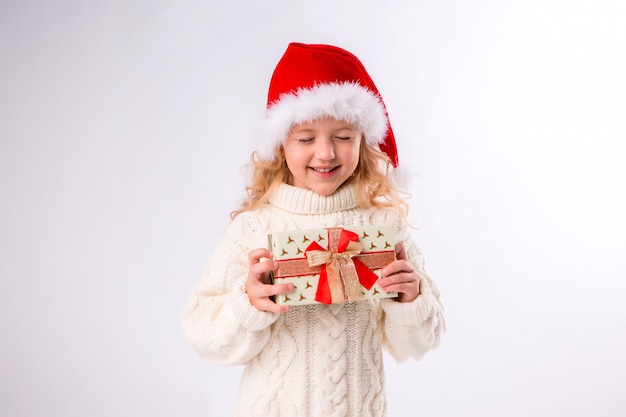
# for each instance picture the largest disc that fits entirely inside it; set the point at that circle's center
(288, 152)
(355, 154)
(293, 158)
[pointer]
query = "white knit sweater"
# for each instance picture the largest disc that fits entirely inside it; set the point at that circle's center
(314, 360)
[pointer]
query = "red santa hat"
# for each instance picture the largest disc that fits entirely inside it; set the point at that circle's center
(314, 81)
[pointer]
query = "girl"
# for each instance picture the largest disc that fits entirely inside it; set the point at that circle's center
(323, 162)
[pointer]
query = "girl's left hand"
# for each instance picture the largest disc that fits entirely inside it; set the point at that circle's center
(401, 277)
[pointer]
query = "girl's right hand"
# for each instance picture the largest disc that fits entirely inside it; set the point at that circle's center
(258, 285)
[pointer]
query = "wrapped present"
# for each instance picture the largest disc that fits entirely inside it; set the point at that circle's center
(332, 265)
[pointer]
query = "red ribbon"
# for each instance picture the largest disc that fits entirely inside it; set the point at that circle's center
(366, 277)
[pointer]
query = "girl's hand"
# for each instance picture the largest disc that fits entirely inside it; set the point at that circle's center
(400, 276)
(258, 286)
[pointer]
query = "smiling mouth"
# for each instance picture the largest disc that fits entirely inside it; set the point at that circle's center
(324, 170)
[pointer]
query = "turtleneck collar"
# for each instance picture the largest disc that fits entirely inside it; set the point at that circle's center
(303, 201)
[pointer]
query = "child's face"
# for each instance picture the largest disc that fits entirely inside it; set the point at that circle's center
(322, 154)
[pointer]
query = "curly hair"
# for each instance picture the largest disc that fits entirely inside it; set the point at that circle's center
(374, 187)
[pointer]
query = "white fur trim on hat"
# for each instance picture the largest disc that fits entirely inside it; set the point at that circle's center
(347, 101)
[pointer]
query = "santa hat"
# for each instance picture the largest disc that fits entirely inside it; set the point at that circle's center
(314, 81)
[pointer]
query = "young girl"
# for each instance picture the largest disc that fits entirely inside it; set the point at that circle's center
(323, 162)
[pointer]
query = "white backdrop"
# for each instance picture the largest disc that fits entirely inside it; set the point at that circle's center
(123, 127)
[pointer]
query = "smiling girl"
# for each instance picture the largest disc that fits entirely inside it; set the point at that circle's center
(323, 161)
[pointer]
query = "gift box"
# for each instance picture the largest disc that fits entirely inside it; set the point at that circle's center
(332, 265)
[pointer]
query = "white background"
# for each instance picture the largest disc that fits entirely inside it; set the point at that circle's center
(123, 126)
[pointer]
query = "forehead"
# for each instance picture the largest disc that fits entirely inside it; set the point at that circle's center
(323, 123)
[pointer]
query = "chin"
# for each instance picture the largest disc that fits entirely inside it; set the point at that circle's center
(326, 191)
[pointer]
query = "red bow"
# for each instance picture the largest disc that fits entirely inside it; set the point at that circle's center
(342, 274)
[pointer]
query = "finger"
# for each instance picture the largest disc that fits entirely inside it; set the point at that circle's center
(400, 251)
(260, 294)
(256, 255)
(261, 290)
(268, 305)
(400, 286)
(397, 267)
(407, 285)
(407, 291)
(397, 279)
(262, 268)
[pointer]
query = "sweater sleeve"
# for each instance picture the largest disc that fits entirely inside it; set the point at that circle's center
(218, 320)
(412, 329)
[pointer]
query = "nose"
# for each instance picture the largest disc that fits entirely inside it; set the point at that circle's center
(325, 149)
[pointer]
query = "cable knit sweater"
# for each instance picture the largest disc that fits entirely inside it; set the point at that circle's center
(314, 360)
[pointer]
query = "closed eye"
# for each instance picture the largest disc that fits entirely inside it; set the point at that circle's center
(344, 138)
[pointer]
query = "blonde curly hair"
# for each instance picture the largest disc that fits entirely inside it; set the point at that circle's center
(374, 187)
